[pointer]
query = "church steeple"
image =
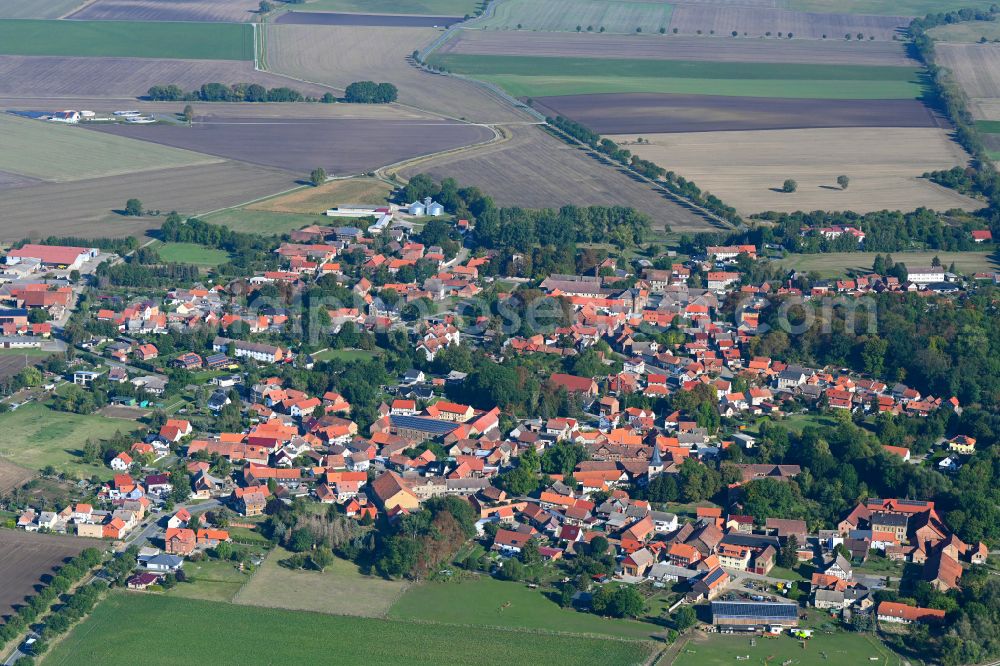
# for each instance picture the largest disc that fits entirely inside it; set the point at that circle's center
(655, 462)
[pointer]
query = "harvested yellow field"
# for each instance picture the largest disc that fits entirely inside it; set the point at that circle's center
(339, 55)
(976, 68)
(335, 193)
(747, 169)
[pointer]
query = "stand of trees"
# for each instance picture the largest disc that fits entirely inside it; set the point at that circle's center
(369, 92)
(221, 92)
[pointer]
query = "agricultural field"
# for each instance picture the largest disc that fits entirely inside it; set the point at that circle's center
(225, 633)
(747, 169)
(26, 557)
(976, 68)
(533, 169)
(904, 7)
(12, 476)
(649, 113)
(36, 436)
(138, 39)
(676, 47)
(233, 11)
(266, 223)
(426, 7)
(9, 181)
(614, 16)
(192, 253)
(11, 364)
(340, 590)
(492, 603)
(969, 31)
(837, 264)
(61, 76)
(317, 200)
(61, 153)
(36, 9)
(821, 649)
(86, 208)
(338, 55)
(724, 19)
(525, 76)
(366, 20)
(342, 146)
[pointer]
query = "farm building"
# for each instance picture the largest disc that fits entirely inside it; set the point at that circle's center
(753, 615)
(53, 255)
(427, 207)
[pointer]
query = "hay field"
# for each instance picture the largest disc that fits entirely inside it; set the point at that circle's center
(745, 168)
(316, 200)
(25, 557)
(970, 31)
(425, 7)
(339, 55)
(535, 170)
(678, 47)
(37, 9)
(688, 19)
(342, 147)
(976, 68)
(237, 11)
(904, 7)
(614, 16)
(49, 151)
(62, 76)
(85, 207)
(139, 39)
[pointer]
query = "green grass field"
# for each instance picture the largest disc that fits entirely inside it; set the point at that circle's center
(565, 15)
(820, 650)
(138, 39)
(885, 7)
(428, 7)
(35, 436)
(263, 222)
(59, 153)
(340, 590)
(492, 603)
(211, 580)
(528, 76)
(155, 629)
(971, 31)
(836, 264)
(191, 253)
(344, 355)
(988, 126)
(37, 9)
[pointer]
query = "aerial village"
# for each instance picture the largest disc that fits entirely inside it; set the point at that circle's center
(671, 499)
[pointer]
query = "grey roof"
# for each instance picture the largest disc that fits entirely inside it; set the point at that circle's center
(754, 610)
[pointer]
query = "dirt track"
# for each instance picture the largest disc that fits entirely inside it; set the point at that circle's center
(536, 170)
(678, 47)
(648, 113)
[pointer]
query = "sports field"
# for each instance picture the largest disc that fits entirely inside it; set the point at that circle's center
(35, 436)
(37, 9)
(837, 264)
(590, 15)
(822, 649)
(340, 590)
(152, 39)
(492, 603)
(526, 76)
(49, 151)
(428, 7)
(149, 628)
(191, 253)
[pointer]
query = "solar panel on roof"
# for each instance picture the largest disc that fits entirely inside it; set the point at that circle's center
(754, 610)
(422, 424)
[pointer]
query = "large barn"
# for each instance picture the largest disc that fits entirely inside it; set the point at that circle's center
(753, 615)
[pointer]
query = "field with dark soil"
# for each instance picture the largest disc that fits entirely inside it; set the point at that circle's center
(25, 558)
(238, 11)
(380, 20)
(12, 476)
(9, 181)
(677, 47)
(640, 112)
(341, 147)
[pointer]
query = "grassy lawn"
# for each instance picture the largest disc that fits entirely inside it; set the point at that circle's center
(36, 436)
(836, 264)
(822, 648)
(341, 589)
(316, 200)
(347, 355)
(30, 353)
(154, 629)
(265, 223)
(57, 152)
(492, 603)
(138, 39)
(191, 253)
(797, 422)
(885, 7)
(211, 580)
(428, 7)
(529, 76)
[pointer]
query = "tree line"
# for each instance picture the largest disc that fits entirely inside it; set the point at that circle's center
(221, 92)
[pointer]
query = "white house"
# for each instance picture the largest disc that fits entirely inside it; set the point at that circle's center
(925, 274)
